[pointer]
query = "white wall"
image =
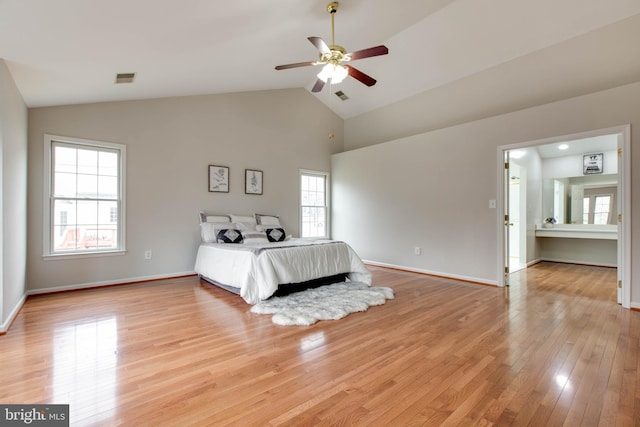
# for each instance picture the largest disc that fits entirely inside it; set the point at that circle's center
(601, 59)
(13, 197)
(570, 166)
(432, 189)
(579, 251)
(170, 142)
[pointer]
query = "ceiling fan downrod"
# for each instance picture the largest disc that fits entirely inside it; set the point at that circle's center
(332, 8)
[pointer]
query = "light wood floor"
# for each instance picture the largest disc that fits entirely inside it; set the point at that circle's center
(554, 349)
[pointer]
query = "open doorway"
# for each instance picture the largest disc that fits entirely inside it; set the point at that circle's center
(563, 185)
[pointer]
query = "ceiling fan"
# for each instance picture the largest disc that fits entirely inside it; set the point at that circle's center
(334, 58)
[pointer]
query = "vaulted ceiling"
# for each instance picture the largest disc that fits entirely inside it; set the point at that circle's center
(68, 52)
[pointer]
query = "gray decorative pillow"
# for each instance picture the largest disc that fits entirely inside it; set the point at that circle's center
(204, 217)
(229, 235)
(276, 234)
(254, 236)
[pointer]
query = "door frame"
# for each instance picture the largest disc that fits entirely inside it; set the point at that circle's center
(624, 183)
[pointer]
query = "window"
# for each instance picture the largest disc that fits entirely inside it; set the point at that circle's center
(113, 214)
(63, 220)
(84, 183)
(314, 212)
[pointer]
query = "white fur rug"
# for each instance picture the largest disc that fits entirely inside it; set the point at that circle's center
(331, 302)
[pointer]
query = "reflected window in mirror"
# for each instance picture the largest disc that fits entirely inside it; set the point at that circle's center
(597, 208)
(558, 201)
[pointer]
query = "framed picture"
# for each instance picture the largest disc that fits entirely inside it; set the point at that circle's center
(252, 181)
(218, 179)
(592, 163)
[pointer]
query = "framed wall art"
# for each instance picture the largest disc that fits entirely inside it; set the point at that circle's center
(592, 163)
(252, 181)
(218, 179)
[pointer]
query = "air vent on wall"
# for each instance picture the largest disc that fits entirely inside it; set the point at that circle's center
(125, 77)
(340, 94)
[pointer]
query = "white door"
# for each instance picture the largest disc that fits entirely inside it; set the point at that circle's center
(515, 192)
(620, 242)
(505, 243)
(517, 217)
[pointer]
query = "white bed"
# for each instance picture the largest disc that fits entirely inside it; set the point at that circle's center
(255, 270)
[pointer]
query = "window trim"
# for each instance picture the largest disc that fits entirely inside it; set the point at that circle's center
(47, 190)
(327, 199)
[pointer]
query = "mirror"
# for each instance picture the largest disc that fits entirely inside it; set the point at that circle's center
(589, 199)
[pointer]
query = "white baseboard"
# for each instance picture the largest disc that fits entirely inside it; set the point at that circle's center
(568, 261)
(434, 273)
(5, 325)
(108, 283)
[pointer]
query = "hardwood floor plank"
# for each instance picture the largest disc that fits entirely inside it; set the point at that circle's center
(552, 349)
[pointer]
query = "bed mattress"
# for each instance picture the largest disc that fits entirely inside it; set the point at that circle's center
(257, 270)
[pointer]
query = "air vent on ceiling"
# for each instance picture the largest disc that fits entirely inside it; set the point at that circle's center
(340, 94)
(125, 77)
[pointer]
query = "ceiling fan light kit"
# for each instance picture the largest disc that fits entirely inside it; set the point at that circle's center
(333, 58)
(334, 72)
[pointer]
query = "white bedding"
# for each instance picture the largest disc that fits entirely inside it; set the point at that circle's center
(258, 269)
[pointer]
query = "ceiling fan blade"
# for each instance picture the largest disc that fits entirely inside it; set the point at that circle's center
(360, 76)
(297, 64)
(368, 53)
(318, 86)
(320, 45)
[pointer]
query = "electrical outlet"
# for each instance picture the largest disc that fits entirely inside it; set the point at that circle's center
(147, 254)
(492, 204)
(417, 250)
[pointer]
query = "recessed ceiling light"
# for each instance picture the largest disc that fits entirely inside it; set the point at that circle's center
(125, 77)
(563, 147)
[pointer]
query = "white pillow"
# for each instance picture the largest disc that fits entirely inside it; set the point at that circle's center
(268, 220)
(253, 236)
(209, 230)
(248, 220)
(263, 227)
